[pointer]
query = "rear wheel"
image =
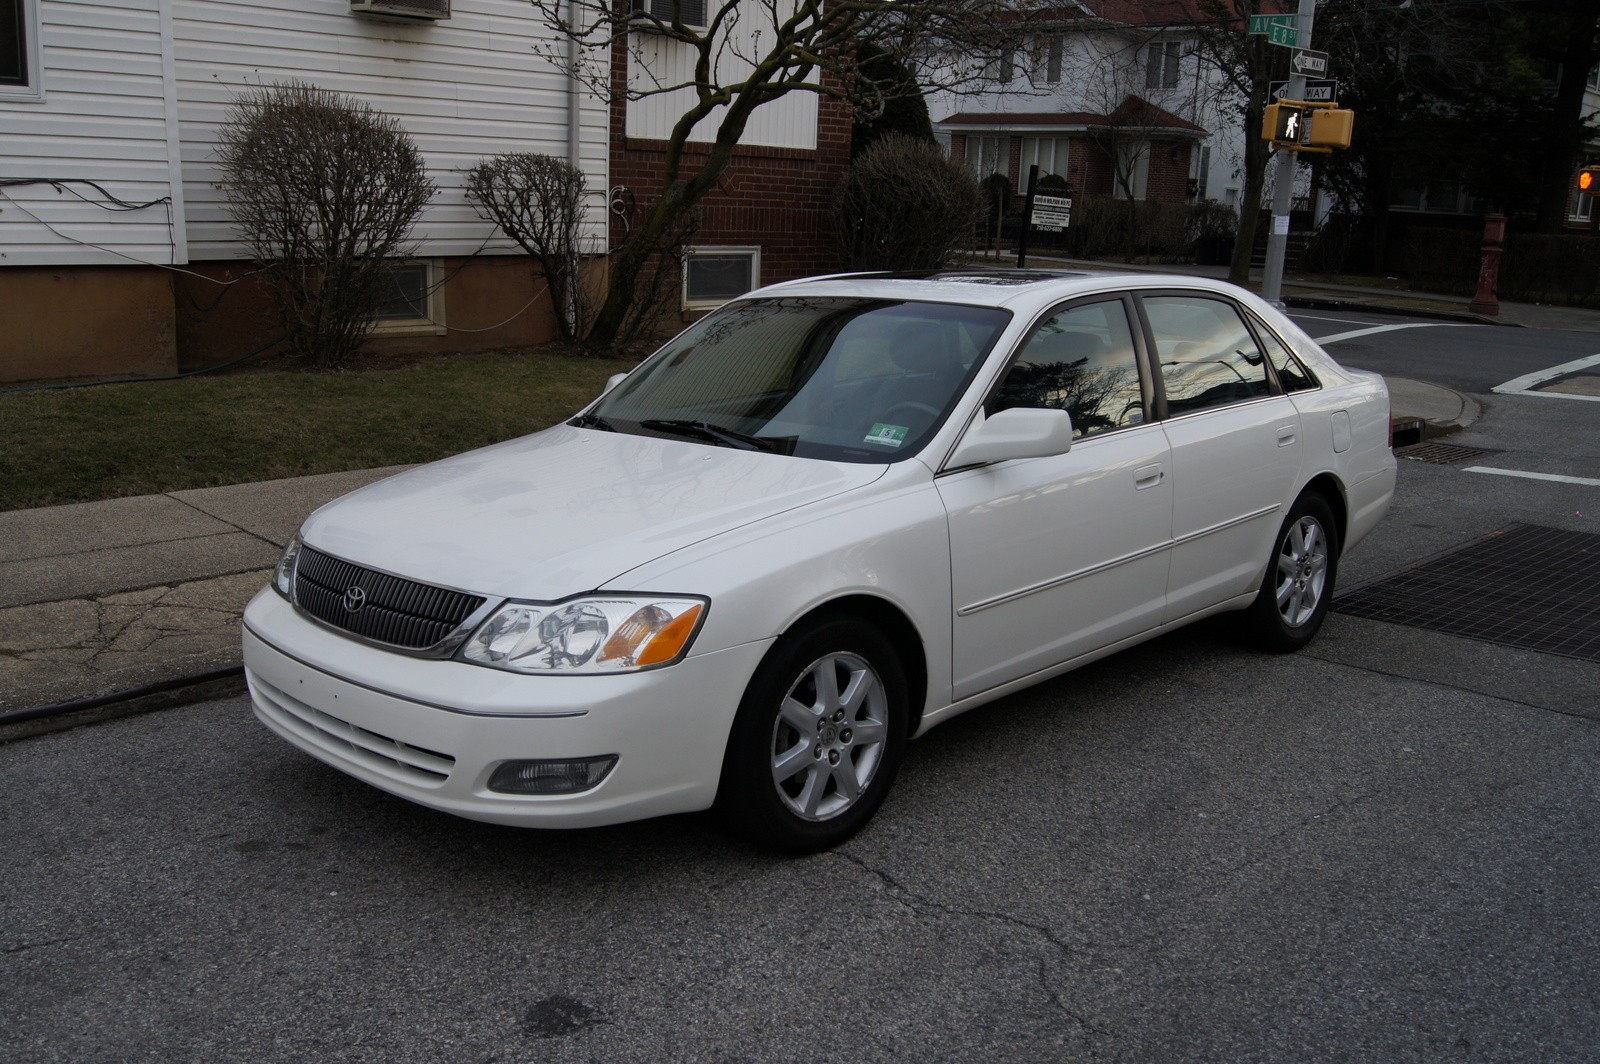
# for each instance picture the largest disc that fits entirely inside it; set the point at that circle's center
(818, 738)
(1298, 586)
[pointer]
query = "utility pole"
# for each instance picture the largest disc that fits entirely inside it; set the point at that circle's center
(1283, 182)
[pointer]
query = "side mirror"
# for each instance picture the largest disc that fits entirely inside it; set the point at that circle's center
(612, 381)
(1020, 432)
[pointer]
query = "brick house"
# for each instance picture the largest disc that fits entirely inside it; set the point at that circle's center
(768, 219)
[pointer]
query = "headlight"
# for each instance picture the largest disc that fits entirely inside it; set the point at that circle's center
(588, 635)
(283, 575)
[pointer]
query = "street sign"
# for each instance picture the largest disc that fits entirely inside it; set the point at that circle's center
(1053, 213)
(1316, 91)
(1287, 36)
(1261, 25)
(1305, 61)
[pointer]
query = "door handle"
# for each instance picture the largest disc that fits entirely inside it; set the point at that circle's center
(1147, 477)
(1286, 435)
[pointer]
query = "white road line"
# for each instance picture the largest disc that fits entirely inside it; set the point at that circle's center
(1528, 382)
(1297, 316)
(1353, 333)
(1588, 481)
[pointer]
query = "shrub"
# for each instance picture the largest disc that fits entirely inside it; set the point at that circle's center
(1438, 259)
(323, 189)
(904, 205)
(1551, 268)
(537, 200)
(1107, 227)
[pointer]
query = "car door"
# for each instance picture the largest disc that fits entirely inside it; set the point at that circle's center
(1058, 556)
(1235, 441)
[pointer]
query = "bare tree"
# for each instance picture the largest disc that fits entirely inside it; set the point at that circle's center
(537, 200)
(323, 189)
(738, 56)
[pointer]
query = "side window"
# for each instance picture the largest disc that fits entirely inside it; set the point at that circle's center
(1291, 374)
(1082, 361)
(1208, 357)
(19, 50)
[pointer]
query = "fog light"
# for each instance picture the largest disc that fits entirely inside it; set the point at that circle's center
(551, 777)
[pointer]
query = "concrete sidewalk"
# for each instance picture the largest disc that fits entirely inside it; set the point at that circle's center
(99, 599)
(116, 606)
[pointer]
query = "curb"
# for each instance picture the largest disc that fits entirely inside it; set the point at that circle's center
(163, 694)
(1320, 303)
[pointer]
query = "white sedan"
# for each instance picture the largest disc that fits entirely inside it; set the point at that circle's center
(823, 519)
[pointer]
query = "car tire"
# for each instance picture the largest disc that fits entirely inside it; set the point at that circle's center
(818, 738)
(1297, 587)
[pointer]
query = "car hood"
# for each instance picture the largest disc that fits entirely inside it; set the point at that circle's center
(565, 510)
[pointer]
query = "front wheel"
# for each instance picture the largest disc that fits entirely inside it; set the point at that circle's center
(818, 738)
(1298, 586)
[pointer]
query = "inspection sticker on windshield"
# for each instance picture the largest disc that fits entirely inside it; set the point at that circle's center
(888, 435)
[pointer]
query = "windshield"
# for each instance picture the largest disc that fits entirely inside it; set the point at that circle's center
(853, 380)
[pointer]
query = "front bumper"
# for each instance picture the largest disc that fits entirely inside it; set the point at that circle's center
(434, 731)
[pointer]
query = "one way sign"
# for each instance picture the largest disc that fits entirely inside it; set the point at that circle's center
(1305, 61)
(1315, 91)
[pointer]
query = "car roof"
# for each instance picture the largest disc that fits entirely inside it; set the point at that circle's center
(1013, 289)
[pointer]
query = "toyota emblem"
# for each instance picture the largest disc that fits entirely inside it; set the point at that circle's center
(354, 599)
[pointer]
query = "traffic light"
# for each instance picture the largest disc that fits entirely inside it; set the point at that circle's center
(1589, 180)
(1330, 128)
(1283, 123)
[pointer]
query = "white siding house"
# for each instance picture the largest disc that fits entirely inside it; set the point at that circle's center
(464, 88)
(129, 95)
(97, 106)
(1067, 88)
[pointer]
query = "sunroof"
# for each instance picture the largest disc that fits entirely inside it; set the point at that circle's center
(1004, 277)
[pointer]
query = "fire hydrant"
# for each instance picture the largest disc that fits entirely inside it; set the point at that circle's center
(1494, 234)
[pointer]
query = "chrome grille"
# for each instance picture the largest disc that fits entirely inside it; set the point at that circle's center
(400, 612)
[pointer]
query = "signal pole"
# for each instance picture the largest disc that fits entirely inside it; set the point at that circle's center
(1283, 182)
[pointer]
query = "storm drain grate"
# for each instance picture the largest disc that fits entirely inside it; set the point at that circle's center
(1439, 453)
(1524, 586)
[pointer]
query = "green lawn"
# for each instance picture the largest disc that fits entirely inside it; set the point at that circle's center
(79, 444)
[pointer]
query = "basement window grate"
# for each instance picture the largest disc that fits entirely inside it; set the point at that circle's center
(1440, 453)
(1522, 586)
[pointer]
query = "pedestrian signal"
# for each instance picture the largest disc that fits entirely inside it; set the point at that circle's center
(1589, 180)
(1283, 123)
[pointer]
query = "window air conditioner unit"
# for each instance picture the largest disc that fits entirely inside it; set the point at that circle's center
(402, 9)
(690, 12)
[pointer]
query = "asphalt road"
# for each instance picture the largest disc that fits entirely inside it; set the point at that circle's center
(1380, 849)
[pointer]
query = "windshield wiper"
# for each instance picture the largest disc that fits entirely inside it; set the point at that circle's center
(703, 430)
(592, 421)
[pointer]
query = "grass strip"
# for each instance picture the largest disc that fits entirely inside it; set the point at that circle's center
(104, 442)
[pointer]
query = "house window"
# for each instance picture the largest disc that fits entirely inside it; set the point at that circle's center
(1132, 175)
(986, 155)
(1048, 65)
(410, 299)
(1438, 197)
(1002, 68)
(1050, 153)
(712, 276)
(1161, 70)
(688, 12)
(19, 49)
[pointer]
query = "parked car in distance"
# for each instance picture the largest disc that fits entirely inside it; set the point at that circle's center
(820, 521)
